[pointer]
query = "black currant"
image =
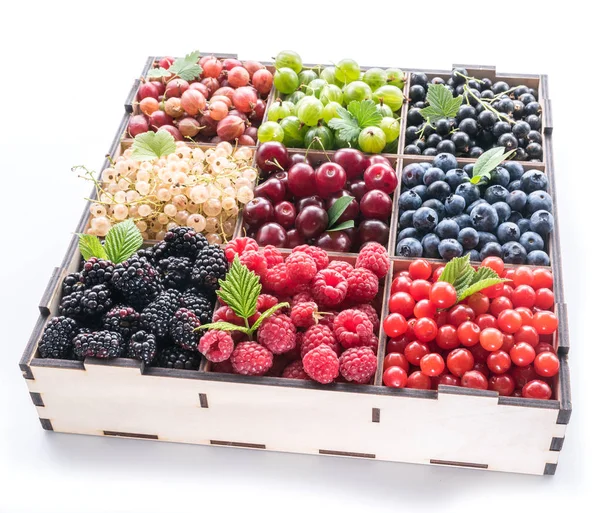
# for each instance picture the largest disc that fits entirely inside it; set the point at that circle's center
(527, 98)
(534, 121)
(460, 140)
(412, 149)
(534, 150)
(446, 147)
(509, 141)
(500, 87)
(534, 136)
(466, 111)
(521, 129)
(414, 117)
(438, 81)
(417, 93)
(419, 79)
(532, 108)
(486, 119)
(411, 133)
(442, 127)
(469, 126)
(506, 105)
(433, 140)
(501, 127)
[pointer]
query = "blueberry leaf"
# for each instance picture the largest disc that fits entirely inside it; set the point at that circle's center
(240, 289)
(90, 246)
(122, 241)
(152, 145)
(266, 314)
(338, 208)
(224, 326)
(489, 161)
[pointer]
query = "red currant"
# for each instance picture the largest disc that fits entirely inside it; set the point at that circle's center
(499, 362)
(402, 303)
(545, 323)
(509, 274)
(437, 273)
(442, 294)
(544, 299)
(494, 290)
(523, 276)
(527, 334)
(542, 279)
(504, 384)
(509, 321)
(459, 314)
(486, 321)
(523, 295)
(425, 329)
(419, 380)
(419, 289)
(446, 337)
(522, 375)
(420, 270)
(441, 317)
(507, 291)
(460, 361)
(537, 389)
(500, 304)
(448, 379)
(507, 342)
(415, 351)
(526, 315)
(425, 308)
(474, 379)
(468, 333)
(543, 347)
(432, 364)
(479, 353)
(398, 344)
(479, 303)
(491, 339)
(410, 331)
(405, 274)
(494, 263)
(395, 377)
(546, 364)
(401, 284)
(395, 325)
(395, 360)
(481, 367)
(522, 354)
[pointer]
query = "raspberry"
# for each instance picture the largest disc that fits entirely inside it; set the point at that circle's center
(363, 285)
(371, 314)
(220, 314)
(304, 315)
(301, 267)
(316, 336)
(239, 246)
(373, 256)
(321, 364)
(301, 297)
(329, 287)
(273, 255)
(352, 328)
(318, 255)
(294, 371)
(276, 279)
(278, 334)
(341, 267)
(254, 261)
(265, 301)
(358, 364)
(327, 320)
(216, 345)
(251, 359)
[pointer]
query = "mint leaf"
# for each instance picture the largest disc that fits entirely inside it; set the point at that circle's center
(338, 208)
(90, 246)
(483, 278)
(152, 145)
(224, 326)
(342, 226)
(122, 241)
(455, 268)
(346, 125)
(266, 314)
(441, 104)
(489, 161)
(187, 67)
(158, 73)
(365, 112)
(240, 289)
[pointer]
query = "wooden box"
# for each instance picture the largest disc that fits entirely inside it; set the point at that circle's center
(452, 426)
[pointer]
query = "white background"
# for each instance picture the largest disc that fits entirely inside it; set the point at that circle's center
(65, 73)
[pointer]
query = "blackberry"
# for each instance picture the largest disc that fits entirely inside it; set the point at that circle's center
(57, 340)
(142, 346)
(137, 280)
(96, 271)
(98, 344)
(70, 305)
(175, 272)
(182, 329)
(210, 267)
(97, 300)
(122, 319)
(72, 283)
(147, 253)
(156, 316)
(199, 304)
(181, 241)
(176, 358)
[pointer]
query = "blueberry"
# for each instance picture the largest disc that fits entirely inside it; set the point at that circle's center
(468, 191)
(433, 174)
(449, 249)
(436, 205)
(425, 166)
(455, 177)
(515, 217)
(463, 221)
(409, 233)
(425, 219)
(517, 200)
(503, 211)
(439, 190)
(491, 249)
(454, 205)
(534, 180)
(513, 253)
(409, 248)
(409, 200)
(538, 257)
(485, 217)
(469, 238)
(468, 168)
(421, 190)
(413, 175)
(447, 229)
(539, 200)
(474, 255)
(406, 219)
(531, 241)
(515, 185)
(495, 193)
(515, 169)
(430, 244)
(524, 224)
(508, 232)
(445, 161)
(474, 204)
(542, 222)
(499, 176)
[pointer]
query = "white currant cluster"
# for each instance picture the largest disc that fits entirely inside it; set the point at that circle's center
(192, 187)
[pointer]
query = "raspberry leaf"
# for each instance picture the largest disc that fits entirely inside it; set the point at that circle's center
(240, 290)
(441, 104)
(122, 241)
(152, 145)
(489, 161)
(455, 268)
(90, 246)
(483, 278)
(224, 326)
(337, 209)
(266, 314)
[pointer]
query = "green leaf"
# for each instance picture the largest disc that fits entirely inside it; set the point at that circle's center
(489, 161)
(338, 208)
(346, 125)
(158, 73)
(224, 326)
(152, 145)
(240, 289)
(342, 226)
(482, 278)
(463, 281)
(122, 241)
(187, 67)
(90, 246)
(365, 112)
(441, 104)
(455, 268)
(266, 314)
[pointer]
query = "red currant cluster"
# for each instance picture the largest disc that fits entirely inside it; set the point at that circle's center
(498, 339)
